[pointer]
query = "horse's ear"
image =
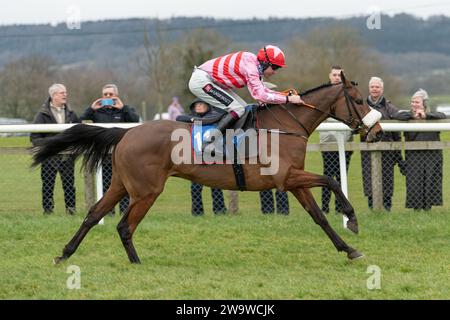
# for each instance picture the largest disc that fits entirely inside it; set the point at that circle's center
(344, 80)
(343, 76)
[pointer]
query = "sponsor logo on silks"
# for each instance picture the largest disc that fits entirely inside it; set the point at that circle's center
(220, 96)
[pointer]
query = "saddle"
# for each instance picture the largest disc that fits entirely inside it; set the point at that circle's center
(243, 149)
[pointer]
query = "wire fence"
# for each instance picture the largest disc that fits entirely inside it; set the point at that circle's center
(382, 176)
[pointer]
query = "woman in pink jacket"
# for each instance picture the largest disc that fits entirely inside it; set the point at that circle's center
(214, 81)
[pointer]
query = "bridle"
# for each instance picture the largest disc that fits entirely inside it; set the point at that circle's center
(350, 103)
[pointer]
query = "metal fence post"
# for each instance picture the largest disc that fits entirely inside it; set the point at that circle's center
(377, 182)
(99, 186)
(343, 169)
(89, 189)
(233, 203)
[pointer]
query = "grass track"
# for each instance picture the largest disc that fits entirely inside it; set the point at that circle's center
(244, 256)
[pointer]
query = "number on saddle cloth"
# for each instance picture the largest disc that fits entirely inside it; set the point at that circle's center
(245, 142)
(202, 133)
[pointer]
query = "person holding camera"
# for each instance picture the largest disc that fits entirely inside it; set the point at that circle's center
(110, 109)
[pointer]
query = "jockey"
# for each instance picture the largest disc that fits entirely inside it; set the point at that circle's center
(214, 80)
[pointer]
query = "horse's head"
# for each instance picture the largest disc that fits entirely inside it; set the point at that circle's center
(354, 111)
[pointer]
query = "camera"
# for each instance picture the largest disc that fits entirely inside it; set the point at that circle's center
(107, 102)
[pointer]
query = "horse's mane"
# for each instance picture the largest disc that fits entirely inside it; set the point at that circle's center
(325, 85)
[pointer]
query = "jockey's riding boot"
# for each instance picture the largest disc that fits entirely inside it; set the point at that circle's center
(224, 123)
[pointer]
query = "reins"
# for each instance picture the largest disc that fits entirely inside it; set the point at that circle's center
(348, 101)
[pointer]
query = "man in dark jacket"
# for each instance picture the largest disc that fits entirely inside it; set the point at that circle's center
(56, 111)
(377, 101)
(110, 109)
(331, 164)
(423, 167)
(201, 109)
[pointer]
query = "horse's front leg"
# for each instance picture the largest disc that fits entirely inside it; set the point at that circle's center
(302, 179)
(307, 200)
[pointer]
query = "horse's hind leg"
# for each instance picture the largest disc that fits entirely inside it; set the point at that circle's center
(307, 200)
(127, 225)
(95, 214)
(303, 179)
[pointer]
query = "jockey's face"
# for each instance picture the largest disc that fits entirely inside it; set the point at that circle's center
(269, 72)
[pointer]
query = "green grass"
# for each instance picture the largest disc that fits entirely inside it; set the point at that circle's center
(243, 256)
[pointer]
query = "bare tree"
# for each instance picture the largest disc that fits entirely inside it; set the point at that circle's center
(84, 84)
(23, 85)
(310, 59)
(197, 47)
(160, 66)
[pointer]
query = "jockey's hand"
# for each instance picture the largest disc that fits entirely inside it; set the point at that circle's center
(295, 99)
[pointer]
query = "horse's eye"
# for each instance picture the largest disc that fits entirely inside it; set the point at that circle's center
(359, 101)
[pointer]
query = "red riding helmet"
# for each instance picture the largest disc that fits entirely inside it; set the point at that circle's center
(272, 55)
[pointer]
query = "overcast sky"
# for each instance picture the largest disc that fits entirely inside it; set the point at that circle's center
(48, 11)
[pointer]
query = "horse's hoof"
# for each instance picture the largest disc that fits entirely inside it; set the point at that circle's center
(58, 260)
(353, 226)
(135, 261)
(354, 255)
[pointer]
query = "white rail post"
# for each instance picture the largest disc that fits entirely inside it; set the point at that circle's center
(343, 168)
(99, 186)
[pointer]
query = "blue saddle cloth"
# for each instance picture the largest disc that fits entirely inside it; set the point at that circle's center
(242, 147)
(202, 132)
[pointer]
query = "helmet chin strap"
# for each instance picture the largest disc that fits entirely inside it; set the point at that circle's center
(264, 65)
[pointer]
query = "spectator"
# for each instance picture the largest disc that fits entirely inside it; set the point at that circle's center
(197, 200)
(110, 109)
(266, 196)
(201, 109)
(423, 167)
(331, 165)
(55, 110)
(267, 203)
(175, 109)
(377, 101)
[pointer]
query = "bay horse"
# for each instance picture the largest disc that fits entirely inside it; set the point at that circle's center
(142, 161)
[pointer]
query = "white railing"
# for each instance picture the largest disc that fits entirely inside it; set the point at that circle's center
(438, 125)
(52, 128)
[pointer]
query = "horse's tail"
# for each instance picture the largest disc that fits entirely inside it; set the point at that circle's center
(93, 142)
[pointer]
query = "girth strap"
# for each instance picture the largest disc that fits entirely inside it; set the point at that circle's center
(238, 171)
